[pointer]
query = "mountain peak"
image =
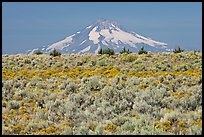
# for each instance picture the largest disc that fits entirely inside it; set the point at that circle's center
(106, 24)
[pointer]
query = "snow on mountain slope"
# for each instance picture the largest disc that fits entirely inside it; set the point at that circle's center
(61, 44)
(103, 34)
(85, 49)
(94, 35)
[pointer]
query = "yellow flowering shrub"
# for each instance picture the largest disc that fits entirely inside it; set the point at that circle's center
(110, 128)
(197, 122)
(136, 117)
(143, 86)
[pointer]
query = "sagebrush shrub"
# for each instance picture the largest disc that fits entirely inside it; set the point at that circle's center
(14, 105)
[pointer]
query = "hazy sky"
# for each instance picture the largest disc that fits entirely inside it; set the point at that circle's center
(28, 25)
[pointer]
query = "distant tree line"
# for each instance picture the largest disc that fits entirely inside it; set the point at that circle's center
(109, 51)
(123, 51)
(106, 51)
(54, 53)
(179, 50)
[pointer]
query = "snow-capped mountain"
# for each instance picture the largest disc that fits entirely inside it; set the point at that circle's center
(103, 34)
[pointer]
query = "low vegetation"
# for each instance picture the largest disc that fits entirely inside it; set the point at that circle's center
(147, 94)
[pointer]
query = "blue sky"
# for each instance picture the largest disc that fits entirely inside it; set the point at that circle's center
(28, 25)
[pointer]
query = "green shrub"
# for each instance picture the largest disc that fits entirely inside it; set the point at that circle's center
(14, 105)
(125, 51)
(179, 50)
(129, 58)
(106, 51)
(93, 62)
(102, 63)
(55, 53)
(27, 61)
(85, 59)
(142, 51)
(38, 52)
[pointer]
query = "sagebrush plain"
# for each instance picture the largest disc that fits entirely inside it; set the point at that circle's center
(154, 93)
